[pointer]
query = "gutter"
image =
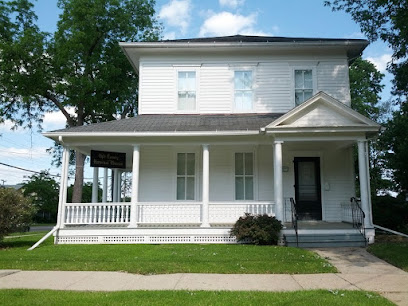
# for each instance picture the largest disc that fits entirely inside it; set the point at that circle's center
(148, 134)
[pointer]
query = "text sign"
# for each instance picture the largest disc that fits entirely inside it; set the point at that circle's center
(108, 159)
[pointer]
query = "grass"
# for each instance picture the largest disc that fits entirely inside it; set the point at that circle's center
(311, 297)
(159, 259)
(395, 253)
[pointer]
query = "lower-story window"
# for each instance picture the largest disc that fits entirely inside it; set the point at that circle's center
(185, 176)
(244, 176)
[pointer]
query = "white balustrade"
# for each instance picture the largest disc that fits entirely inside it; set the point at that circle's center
(97, 213)
(169, 213)
(162, 212)
(229, 212)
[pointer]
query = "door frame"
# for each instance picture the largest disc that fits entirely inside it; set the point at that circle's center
(317, 161)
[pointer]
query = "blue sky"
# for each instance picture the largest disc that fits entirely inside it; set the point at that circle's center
(188, 19)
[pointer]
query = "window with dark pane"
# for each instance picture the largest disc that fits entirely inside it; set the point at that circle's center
(185, 176)
(244, 176)
(303, 85)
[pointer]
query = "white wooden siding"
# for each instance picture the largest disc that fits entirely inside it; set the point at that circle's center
(332, 78)
(157, 174)
(273, 82)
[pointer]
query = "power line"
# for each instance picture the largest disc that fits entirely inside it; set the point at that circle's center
(19, 168)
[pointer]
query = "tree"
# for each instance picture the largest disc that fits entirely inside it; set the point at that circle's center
(43, 191)
(388, 21)
(78, 68)
(365, 89)
(86, 195)
(16, 211)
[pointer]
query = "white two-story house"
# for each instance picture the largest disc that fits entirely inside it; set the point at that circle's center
(225, 126)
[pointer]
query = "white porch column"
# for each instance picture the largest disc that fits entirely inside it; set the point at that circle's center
(206, 186)
(119, 184)
(63, 188)
(364, 182)
(135, 186)
(105, 186)
(95, 185)
(115, 185)
(277, 180)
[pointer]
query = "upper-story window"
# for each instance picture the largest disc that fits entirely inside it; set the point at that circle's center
(303, 85)
(243, 90)
(186, 91)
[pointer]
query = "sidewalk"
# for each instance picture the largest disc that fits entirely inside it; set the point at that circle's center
(358, 270)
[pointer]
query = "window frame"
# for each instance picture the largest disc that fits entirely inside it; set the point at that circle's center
(314, 80)
(186, 68)
(243, 69)
(195, 176)
(254, 175)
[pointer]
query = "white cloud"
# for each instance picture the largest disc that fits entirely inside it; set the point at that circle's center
(226, 23)
(231, 3)
(381, 62)
(8, 125)
(169, 35)
(56, 120)
(177, 13)
(357, 35)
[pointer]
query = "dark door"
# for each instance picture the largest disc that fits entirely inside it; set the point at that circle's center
(307, 188)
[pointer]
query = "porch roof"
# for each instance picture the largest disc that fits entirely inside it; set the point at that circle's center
(178, 123)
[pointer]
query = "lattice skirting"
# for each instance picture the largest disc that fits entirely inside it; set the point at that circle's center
(144, 239)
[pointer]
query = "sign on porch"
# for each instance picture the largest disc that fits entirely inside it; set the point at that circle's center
(105, 159)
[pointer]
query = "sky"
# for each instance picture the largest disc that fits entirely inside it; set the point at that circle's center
(190, 19)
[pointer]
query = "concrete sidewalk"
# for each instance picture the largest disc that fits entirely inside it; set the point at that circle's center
(358, 270)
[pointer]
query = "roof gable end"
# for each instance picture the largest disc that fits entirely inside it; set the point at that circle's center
(322, 110)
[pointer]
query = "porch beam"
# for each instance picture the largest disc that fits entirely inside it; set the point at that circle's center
(135, 186)
(105, 186)
(364, 182)
(277, 180)
(63, 188)
(95, 185)
(206, 186)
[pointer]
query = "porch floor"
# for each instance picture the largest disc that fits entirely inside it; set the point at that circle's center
(320, 225)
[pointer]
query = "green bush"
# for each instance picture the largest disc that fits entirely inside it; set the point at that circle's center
(257, 229)
(16, 211)
(391, 213)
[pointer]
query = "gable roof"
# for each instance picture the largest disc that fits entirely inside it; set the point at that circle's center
(177, 123)
(319, 112)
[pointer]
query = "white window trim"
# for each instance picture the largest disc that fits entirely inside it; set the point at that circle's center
(235, 68)
(187, 68)
(292, 77)
(196, 173)
(255, 175)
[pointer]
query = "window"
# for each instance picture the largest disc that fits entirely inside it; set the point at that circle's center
(244, 176)
(185, 176)
(186, 90)
(243, 90)
(303, 85)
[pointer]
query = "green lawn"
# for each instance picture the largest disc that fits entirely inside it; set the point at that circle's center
(396, 253)
(159, 259)
(315, 297)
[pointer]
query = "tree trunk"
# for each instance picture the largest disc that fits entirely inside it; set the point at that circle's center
(79, 177)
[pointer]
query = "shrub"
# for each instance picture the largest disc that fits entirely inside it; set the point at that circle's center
(391, 213)
(16, 211)
(257, 229)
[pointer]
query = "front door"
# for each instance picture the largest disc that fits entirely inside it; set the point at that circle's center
(307, 188)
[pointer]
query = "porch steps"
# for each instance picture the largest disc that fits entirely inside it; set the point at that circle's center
(314, 240)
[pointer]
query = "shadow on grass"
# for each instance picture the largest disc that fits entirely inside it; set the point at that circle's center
(16, 244)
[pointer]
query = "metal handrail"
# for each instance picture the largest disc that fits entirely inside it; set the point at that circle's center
(295, 219)
(358, 216)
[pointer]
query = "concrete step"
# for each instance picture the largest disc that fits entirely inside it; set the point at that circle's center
(326, 240)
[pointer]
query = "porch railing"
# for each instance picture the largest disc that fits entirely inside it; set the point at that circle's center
(354, 214)
(295, 219)
(229, 212)
(162, 212)
(97, 213)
